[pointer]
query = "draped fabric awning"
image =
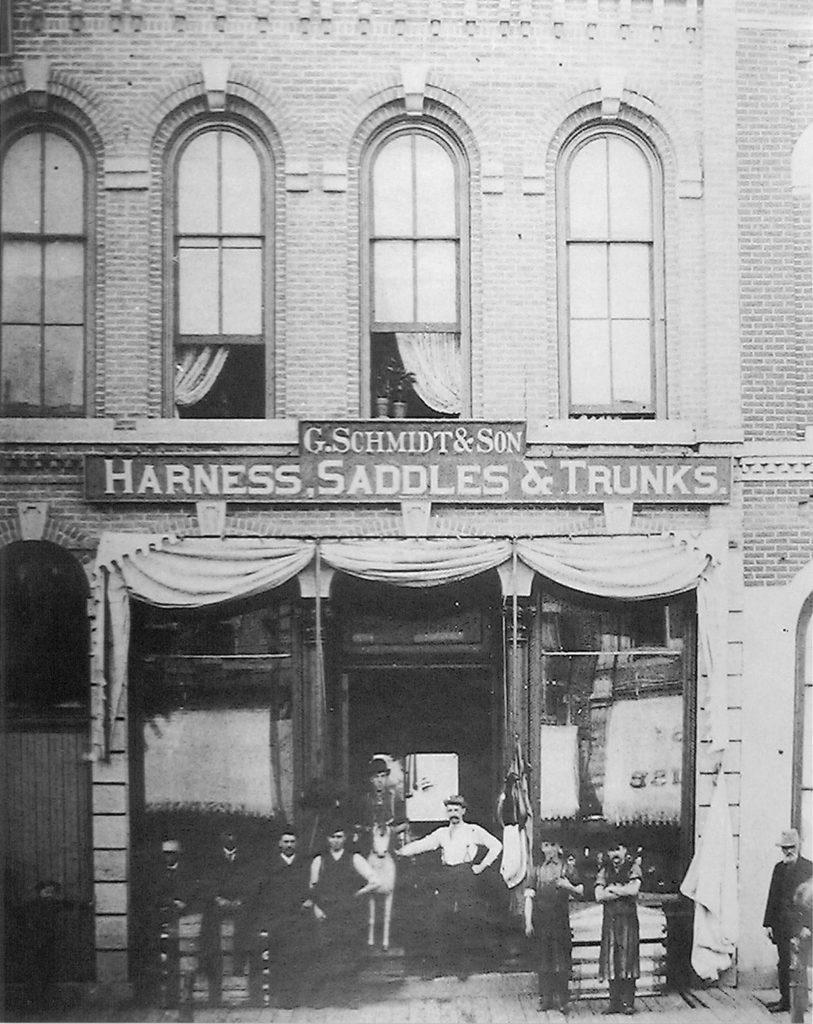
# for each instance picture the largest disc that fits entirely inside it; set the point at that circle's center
(192, 572)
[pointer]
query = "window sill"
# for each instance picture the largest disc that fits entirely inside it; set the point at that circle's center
(150, 431)
(628, 432)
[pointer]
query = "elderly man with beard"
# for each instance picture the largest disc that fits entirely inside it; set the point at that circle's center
(459, 843)
(782, 918)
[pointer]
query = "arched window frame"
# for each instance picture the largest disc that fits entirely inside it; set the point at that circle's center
(658, 405)
(241, 127)
(63, 127)
(440, 134)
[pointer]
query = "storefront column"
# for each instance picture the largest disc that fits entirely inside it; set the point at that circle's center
(517, 617)
(313, 712)
(314, 583)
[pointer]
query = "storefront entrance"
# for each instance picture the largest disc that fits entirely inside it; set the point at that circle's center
(407, 710)
(417, 672)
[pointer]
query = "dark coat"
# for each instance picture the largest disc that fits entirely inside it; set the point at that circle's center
(780, 913)
(229, 880)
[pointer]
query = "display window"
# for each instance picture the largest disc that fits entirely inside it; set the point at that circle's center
(614, 709)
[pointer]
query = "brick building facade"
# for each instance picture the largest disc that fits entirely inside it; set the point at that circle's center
(710, 107)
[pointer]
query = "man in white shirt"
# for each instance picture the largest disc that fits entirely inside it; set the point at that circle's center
(459, 843)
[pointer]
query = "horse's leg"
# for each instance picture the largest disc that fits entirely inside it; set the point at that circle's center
(371, 921)
(385, 943)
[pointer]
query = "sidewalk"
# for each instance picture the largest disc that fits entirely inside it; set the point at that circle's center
(483, 999)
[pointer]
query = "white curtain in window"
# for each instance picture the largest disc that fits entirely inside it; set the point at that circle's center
(434, 358)
(197, 370)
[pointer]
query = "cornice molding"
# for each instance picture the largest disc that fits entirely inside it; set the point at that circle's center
(776, 467)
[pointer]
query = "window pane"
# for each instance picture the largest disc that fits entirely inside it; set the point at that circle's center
(392, 188)
(64, 358)
(437, 282)
(64, 283)
(630, 191)
(435, 188)
(21, 282)
(198, 291)
(21, 369)
(589, 362)
(629, 281)
(587, 196)
(241, 187)
(242, 291)
(392, 276)
(64, 187)
(631, 361)
(588, 280)
(197, 186)
(21, 185)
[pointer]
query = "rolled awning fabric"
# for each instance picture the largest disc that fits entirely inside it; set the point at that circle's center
(192, 572)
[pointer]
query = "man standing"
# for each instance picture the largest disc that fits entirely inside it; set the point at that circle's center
(617, 886)
(282, 907)
(225, 904)
(781, 916)
(459, 843)
(335, 879)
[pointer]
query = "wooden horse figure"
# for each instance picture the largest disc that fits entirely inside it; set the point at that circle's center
(382, 864)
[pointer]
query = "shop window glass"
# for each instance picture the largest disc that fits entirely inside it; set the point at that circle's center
(44, 296)
(221, 364)
(611, 269)
(416, 252)
(616, 688)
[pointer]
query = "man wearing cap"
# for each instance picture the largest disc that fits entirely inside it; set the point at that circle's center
(459, 843)
(781, 920)
(335, 888)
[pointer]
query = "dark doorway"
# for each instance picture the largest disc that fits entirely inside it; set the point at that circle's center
(46, 782)
(411, 709)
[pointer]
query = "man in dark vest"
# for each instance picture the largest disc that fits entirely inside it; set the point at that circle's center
(282, 911)
(781, 916)
(337, 880)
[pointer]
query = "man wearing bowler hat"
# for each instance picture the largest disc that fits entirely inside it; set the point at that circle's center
(459, 843)
(781, 916)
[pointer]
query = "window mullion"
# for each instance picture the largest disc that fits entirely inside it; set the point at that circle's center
(42, 272)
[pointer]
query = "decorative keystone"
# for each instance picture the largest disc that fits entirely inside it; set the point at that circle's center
(33, 517)
(612, 90)
(413, 78)
(415, 517)
(35, 77)
(215, 81)
(211, 518)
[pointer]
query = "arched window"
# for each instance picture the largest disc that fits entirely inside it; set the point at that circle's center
(611, 276)
(221, 357)
(46, 636)
(44, 296)
(417, 282)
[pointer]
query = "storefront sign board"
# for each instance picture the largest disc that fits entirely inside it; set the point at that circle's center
(376, 461)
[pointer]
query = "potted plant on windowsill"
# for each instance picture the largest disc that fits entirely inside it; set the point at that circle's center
(383, 392)
(401, 388)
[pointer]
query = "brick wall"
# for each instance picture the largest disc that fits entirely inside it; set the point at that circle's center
(511, 94)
